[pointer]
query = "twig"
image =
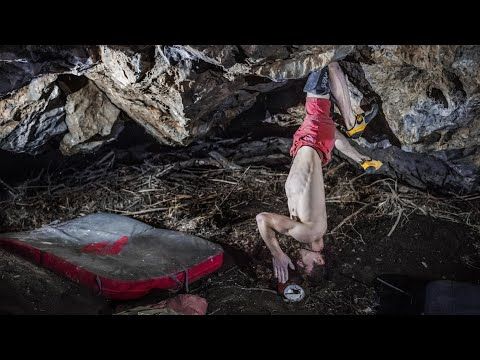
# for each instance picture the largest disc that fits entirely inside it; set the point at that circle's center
(472, 266)
(139, 212)
(348, 218)
(31, 181)
(335, 169)
(223, 161)
(232, 268)
(129, 191)
(188, 163)
(251, 289)
(396, 222)
(345, 202)
(377, 181)
(233, 189)
(224, 181)
(237, 205)
(350, 183)
(10, 189)
(361, 237)
(213, 312)
(241, 272)
(471, 198)
(109, 190)
(103, 159)
(393, 287)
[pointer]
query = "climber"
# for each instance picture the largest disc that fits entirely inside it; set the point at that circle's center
(312, 148)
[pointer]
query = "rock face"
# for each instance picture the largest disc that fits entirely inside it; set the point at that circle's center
(31, 116)
(32, 105)
(430, 99)
(429, 96)
(178, 93)
(90, 117)
(21, 64)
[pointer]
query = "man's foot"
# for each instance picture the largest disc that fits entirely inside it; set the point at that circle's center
(370, 166)
(318, 83)
(361, 122)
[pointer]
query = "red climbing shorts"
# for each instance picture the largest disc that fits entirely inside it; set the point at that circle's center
(317, 129)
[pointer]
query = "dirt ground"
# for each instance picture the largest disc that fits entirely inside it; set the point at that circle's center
(430, 240)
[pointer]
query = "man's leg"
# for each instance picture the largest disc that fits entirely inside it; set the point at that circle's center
(366, 162)
(344, 146)
(339, 90)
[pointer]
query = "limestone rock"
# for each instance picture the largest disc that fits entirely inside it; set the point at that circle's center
(31, 104)
(429, 96)
(179, 95)
(90, 117)
(21, 64)
(32, 116)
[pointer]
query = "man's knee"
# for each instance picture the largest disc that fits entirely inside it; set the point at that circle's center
(262, 218)
(333, 66)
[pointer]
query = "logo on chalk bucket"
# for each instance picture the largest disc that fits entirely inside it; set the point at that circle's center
(293, 293)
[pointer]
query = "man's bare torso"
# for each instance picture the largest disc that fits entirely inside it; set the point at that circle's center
(304, 188)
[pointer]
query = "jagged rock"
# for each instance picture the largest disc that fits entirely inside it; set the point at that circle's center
(31, 104)
(429, 97)
(293, 116)
(224, 56)
(32, 116)
(422, 98)
(180, 95)
(90, 117)
(20, 64)
(298, 65)
(441, 171)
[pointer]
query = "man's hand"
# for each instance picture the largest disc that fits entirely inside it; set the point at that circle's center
(281, 263)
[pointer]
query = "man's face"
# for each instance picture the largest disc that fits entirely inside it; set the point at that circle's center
(312, 264)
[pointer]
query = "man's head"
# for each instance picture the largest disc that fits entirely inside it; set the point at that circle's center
(312, 264)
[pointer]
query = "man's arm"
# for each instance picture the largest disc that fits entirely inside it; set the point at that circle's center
(268, 223)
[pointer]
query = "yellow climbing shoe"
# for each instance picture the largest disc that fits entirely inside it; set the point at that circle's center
(370, 166)
(361, 122)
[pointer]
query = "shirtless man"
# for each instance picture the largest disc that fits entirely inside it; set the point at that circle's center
(312, 149)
